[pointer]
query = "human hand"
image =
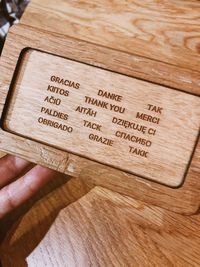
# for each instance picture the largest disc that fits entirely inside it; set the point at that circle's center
(15, 190)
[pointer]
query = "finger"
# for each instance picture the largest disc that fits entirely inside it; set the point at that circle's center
(21, 190)
(11, 167)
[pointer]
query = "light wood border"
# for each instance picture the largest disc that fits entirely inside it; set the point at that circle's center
(184, 199)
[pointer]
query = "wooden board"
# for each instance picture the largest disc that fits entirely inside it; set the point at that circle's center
(102, 228)
(133, 125)
(165, 31)
(110, 228)
(184, 199)
(116, 51)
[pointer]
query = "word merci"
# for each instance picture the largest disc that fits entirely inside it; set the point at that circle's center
(103, 104)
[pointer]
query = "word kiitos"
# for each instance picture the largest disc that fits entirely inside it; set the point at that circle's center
(57, 90)
(54, 113)
(55, 125)
(133, 138)
(100, 139)
(138, 152)
(65, 82)
(103, 104)
(109, 95)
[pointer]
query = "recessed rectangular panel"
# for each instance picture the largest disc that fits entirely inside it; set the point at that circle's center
(129, 124)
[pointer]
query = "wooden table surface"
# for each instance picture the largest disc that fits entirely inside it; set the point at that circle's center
(101, 228)
(71, 222)
(67, 224)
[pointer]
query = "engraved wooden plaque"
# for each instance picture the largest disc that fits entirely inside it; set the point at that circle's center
(129, 124)
(100, 114)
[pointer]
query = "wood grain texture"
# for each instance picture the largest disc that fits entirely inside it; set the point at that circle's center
(129, 124)
(104, 228)
(28, 224)
(167, 31)
(2, 154)
(185, 199)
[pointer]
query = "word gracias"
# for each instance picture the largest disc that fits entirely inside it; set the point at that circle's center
(65, 82)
